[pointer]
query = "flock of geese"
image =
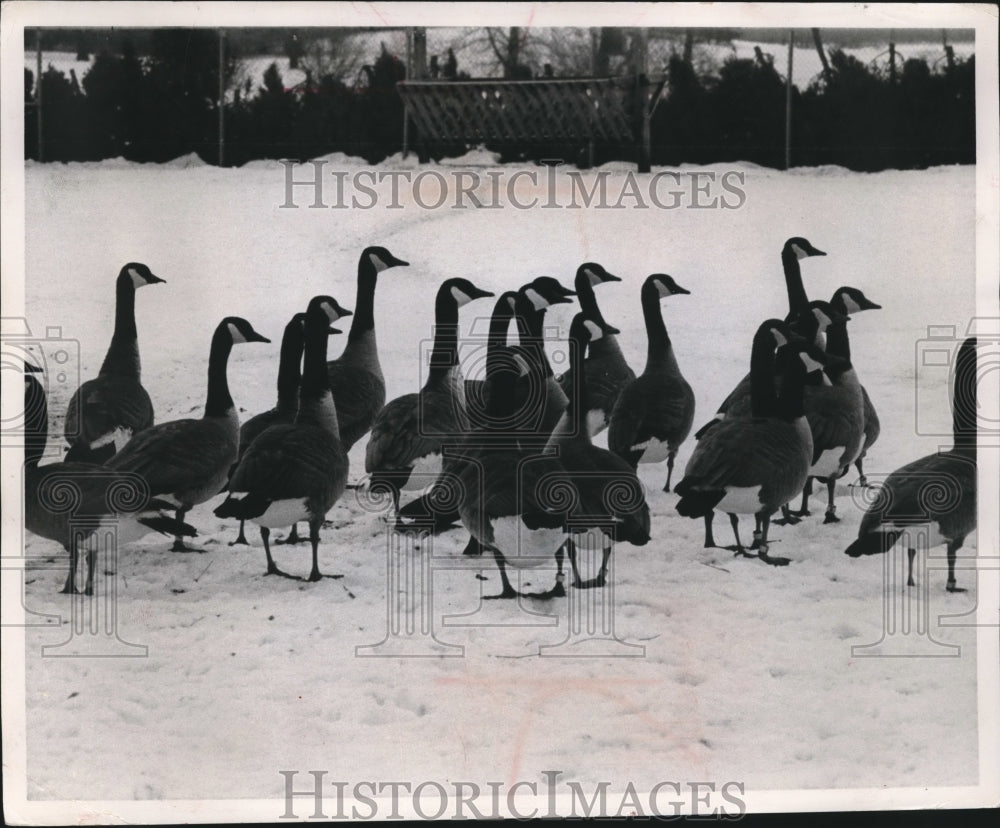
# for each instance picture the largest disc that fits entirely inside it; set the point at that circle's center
(511, 456)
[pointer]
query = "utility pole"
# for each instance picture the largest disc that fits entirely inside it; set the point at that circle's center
(788, 101)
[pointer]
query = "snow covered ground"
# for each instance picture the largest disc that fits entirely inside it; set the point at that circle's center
(747, 672)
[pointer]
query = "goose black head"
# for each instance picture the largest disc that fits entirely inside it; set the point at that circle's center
(380, 259)
(328, 307)
(816, 363)
(780, 332)
(594, 274)
(665, 285)
(823, 316)
(138, 275)
(545, 291)
(240, 330)
(850, 300)
(462, 291)
(585, 329)
(800, 248)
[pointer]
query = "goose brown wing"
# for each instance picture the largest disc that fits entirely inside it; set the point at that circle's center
(835, 418)
(172, 455)
(358, 395)
(406, 429)
(102, 405)
(289, 461)
(939, 487)
(753, 452)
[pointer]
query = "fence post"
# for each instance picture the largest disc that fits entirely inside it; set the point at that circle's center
(788, 101)
(222, 95)
(38, 93)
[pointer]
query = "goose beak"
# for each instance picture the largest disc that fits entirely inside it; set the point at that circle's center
(398, 263)
(151, 279)
(817, 252)
(482, 294)
(344, 312)
(610, 277)
(562, 300)
(333, 330)
(870, 305)
(679, 289)
(256, 337)
(609, 329)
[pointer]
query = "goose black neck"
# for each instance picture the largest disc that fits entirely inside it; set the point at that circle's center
(798, 302)
(965, 399)
(219, 402)
(123, 354)
(656, 331)
(791, 402)
(587, 299)
(289, 370)
(533, 338)
(576, 407)
(364, 311)
(838, 343)
(444, 354)
(763, 400)
(315, 379)
(497, 337)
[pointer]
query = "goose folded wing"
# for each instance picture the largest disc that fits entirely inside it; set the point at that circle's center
(832, 426)
(751, 453)
(398, 438)
(358, 393)
(285, 462)
(170, 456)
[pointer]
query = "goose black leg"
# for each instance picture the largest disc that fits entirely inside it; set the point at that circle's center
(670, 471)
(953, 547)
(558, 590)
(241, 538)
(709, 537)
(910, 555)
(91, 563)
(804, 509)
(734, 521)
(473, 548)
(272, 569)
(179, 545)
(762, 552)
(788, 517)
(756, 532)
(862, 480)
(315, 574)
(508, 590)
(831, 509)
(70, 586)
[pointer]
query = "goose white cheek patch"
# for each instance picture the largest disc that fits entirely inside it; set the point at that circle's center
(850, 305)
(595, 330)
(536, 299)
(799, 252)
(137, 280)
(379, 264)
(595, 280)
(236, 334)
(460, 296)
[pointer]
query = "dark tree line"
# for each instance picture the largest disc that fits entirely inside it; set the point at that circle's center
(162, 106)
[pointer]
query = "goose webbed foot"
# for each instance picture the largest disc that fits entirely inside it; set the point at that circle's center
(773, 561)
(292, 538)
(473, 548)
(508, 592)
(756, 541)
(180, 546)
(788, 517)
(831, 517)
(592, 583)
(273, 570)
(557, 591)
(240, 541)
(314, 576)
(952, 588)
(860, 483)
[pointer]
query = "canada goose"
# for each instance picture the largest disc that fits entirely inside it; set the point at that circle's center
(810, 327)
(409, 432)
(296, 471)
(356, 379)
(597, 472)
(287, 406)
(850, 301)
(512, 500)
(654, 412)
(754, 465)
(73, 503)
(105, 412)
(794, 250)
(607, 370)
(188, 461)
(935, 494)
(836, 417)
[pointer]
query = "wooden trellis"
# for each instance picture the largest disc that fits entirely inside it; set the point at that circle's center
(580, 111)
